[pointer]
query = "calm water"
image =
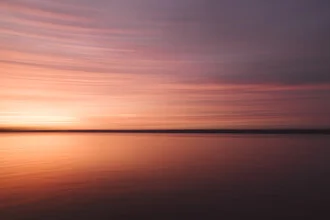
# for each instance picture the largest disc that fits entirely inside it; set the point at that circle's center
(113, 176)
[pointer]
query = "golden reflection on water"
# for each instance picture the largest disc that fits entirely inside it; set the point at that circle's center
(35, 167)
(41, 168)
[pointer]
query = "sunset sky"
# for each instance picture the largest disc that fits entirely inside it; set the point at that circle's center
(165, 63)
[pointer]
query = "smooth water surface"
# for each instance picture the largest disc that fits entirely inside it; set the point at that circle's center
(145, 176)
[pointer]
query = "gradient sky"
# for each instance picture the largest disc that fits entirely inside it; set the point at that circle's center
(165, 64)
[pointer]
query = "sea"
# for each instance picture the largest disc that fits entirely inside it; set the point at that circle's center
(60, 176)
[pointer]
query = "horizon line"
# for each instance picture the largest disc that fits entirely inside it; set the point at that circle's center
(178, 131)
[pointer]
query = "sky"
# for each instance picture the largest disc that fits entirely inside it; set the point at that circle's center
(165, 64)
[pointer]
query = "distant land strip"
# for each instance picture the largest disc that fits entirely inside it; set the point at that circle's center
(176, 131)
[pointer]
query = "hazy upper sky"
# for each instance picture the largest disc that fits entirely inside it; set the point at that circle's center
(165, 63)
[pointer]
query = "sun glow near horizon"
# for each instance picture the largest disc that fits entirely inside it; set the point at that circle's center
(37, 119)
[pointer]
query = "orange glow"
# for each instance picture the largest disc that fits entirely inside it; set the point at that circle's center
(36, 118)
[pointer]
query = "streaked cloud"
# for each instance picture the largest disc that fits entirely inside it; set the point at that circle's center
(154, 63)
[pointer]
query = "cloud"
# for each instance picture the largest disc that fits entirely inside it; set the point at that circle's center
(269, 42)
(243, 42)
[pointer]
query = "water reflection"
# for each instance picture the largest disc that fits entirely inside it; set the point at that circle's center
(44, 172)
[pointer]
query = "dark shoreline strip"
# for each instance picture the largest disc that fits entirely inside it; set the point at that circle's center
(177, 131)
